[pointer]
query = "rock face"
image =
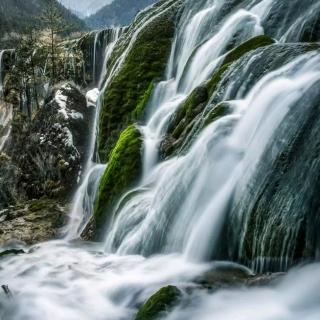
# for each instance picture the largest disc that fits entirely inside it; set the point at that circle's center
(43, 158)
(32, 221)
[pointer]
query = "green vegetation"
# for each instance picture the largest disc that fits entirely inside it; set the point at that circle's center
(188, 110)
(19, 15)
(216, 78)
(159, 303)
(40, 57)
(236, 54)
(128, 91)
(124, 169)
(217, 112)
(139, 111)
(250, 45)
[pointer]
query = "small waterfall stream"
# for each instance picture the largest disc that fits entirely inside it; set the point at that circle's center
(168, 231)
(1, 72)
(5, 109)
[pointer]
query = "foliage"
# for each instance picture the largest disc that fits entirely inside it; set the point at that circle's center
(41, 57)
(19, 15)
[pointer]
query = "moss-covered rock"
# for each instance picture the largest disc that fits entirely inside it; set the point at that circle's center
(236, 54)
(140, 110)
(123, 170)
(217, 112)
(182, 121)
(188, 110)
(187, 115)
(159, 303)
(126, 95)
(251, 44)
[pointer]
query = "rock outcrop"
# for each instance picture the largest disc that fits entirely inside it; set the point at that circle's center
(43, 159)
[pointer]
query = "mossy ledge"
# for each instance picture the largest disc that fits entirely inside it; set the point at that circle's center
(123, 170)
(161, 302)
(190, 111)
(125, 97)
(234, 55)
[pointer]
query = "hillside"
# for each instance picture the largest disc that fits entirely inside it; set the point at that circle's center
(119, 12)
(83, 8)
(16, 15)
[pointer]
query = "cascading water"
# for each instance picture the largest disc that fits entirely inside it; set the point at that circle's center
(1, 73)
(175, 195)
(181, 205)
(5, 109)
(83, 203)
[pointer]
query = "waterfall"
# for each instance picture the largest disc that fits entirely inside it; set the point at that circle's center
(83, 204)
(182, 203)
(206, 202)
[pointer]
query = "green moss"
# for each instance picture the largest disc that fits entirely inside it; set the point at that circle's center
(234, 55)
(139, 111)
(242, 49)
(38, 205)
(159, 303)
(123, 170)
(216, 78)
(127, 92)
(188, 111)
(217, 112)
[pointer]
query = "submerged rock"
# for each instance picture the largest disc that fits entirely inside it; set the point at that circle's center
(229, 274)
(159, 304)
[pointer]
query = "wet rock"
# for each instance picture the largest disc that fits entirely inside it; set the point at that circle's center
(228, 274)
(159, 304)
(31, 222)
(11, 252)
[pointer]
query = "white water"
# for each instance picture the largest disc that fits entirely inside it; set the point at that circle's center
(181, 203)
(1, 70)
(178, 208)
(296, 297)
(5, 110)
(193, 64)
